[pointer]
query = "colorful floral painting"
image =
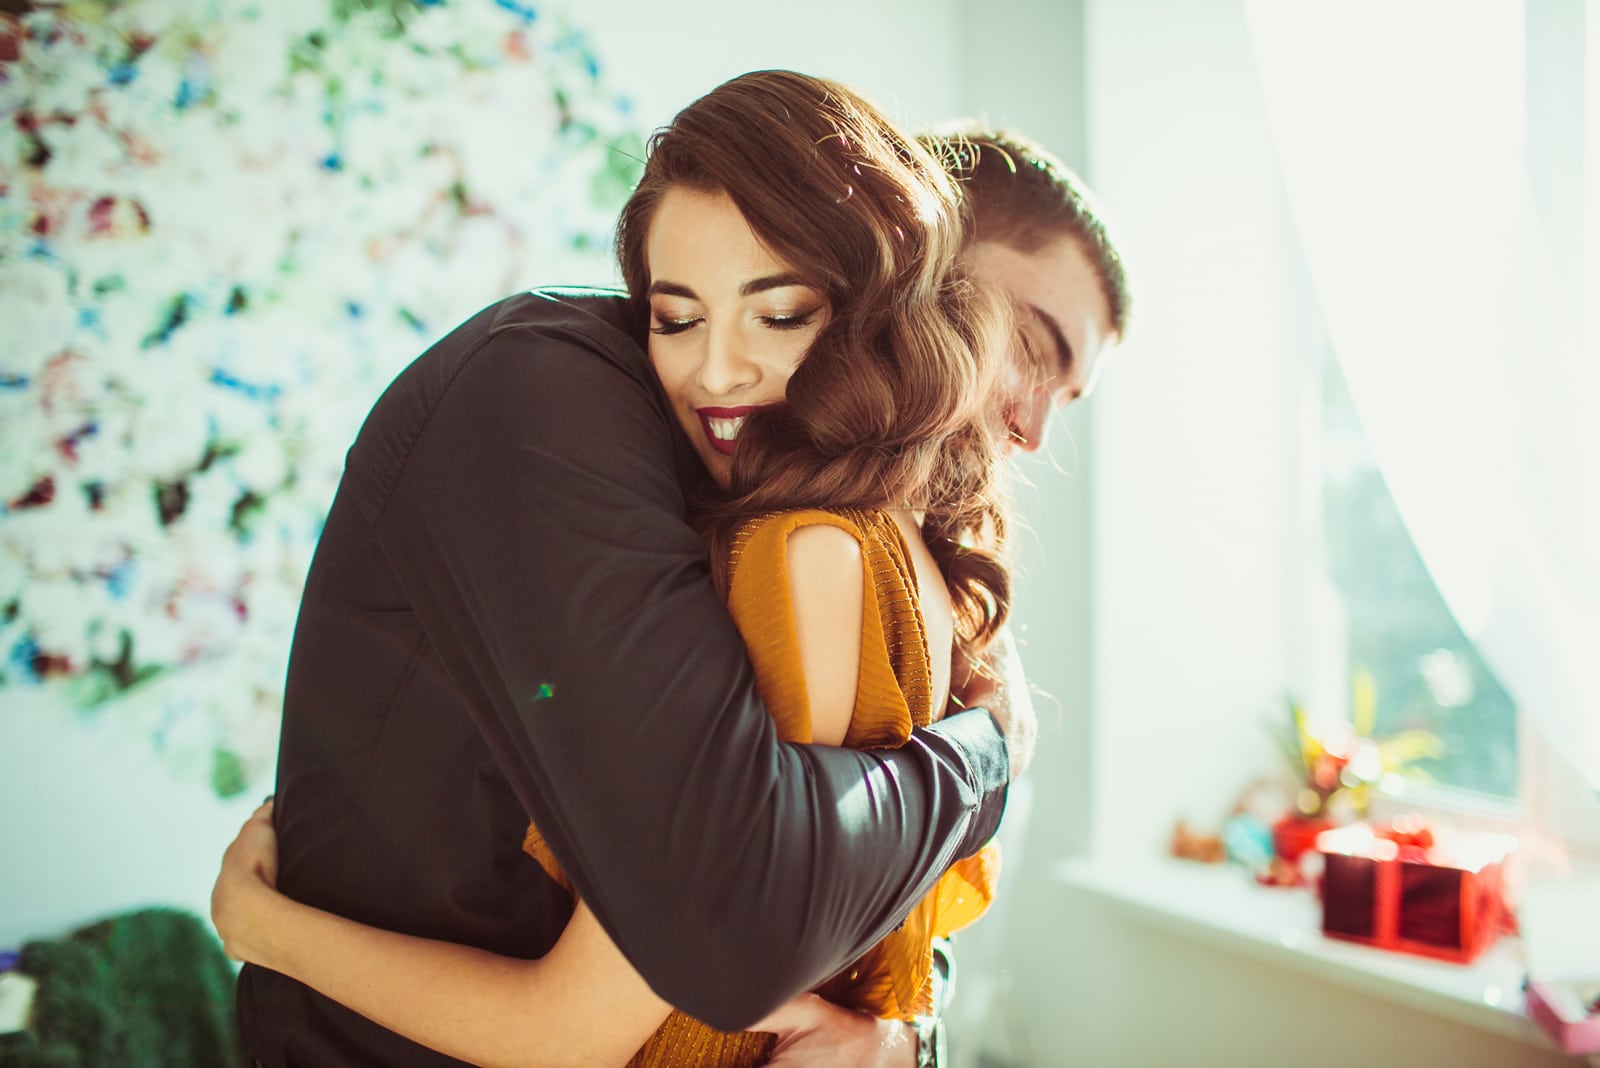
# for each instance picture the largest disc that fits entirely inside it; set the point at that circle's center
(224, 225)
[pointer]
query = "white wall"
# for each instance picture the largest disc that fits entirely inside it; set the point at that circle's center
(903, 54)
(93, 823)
(1194, 468)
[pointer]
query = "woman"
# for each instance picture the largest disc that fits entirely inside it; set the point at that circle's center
(797, 258)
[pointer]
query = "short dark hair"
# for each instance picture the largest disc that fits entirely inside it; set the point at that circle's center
(1020, 195)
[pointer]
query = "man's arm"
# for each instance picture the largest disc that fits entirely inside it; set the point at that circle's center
(538, 529)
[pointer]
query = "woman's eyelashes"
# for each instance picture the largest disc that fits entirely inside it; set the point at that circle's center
(671, 326)
(789, 322)
(667, 324)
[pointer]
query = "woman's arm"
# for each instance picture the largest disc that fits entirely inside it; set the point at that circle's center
(581, 1004)
(1000, 686)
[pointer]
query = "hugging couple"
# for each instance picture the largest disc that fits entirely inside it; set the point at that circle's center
(651, 700)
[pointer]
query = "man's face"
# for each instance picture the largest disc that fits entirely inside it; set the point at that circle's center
(1064, 319)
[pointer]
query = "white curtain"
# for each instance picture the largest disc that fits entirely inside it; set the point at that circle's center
(1402, 131)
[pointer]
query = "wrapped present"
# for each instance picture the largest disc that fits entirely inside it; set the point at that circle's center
(1561, 941)
(1402, 887)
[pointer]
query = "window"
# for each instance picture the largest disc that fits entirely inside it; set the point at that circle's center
(1396, 625)
(1446, 211)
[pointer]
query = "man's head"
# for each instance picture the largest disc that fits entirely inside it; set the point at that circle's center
(1039, 236)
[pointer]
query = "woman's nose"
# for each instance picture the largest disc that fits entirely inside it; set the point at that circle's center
(726, 366)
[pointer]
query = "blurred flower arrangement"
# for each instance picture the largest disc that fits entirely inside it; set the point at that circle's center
(224, 225)
(1335, 769)
(1331, 771)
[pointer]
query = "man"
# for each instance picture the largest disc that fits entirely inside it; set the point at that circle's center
(521, 501)
(1042, 238)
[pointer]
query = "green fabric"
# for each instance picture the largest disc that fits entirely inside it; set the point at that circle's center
(149, 988)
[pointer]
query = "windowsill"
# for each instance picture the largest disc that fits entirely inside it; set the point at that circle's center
(1221, 906)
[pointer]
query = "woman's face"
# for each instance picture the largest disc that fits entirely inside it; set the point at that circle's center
(1065, 321)
(729, 322)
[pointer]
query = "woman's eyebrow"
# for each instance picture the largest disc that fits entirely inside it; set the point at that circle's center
(750, 288)
(671, 289)
(771, 281)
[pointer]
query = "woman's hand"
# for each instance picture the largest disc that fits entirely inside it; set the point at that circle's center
(998, 684)
(812, 1031)
(246, 885)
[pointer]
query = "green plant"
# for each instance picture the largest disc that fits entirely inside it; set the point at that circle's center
(1338, 766)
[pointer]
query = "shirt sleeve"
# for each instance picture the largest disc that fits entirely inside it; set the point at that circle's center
(538, 529)
(889, 679)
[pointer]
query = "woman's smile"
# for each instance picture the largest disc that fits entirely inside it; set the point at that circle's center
(722, 425)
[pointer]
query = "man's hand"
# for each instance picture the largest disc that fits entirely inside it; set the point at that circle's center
(814, 1032)
(249, 873)
(997, 683)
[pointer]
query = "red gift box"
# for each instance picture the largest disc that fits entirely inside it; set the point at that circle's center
(1401, 889)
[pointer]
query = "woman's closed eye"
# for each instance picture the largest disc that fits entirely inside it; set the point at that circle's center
(664, 325)
(788, 322)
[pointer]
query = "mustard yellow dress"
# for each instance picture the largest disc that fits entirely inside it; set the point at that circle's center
(893, 979)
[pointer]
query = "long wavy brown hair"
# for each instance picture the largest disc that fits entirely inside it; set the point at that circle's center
(895, 403)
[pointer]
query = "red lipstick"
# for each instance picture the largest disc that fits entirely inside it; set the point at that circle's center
(726, 423)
